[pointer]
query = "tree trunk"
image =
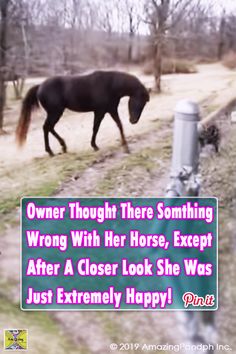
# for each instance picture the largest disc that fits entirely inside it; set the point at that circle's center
(3, 49)
(220, 50)
(18, 84)
(130, 47)
(158, 63)
(26, 49)
(2, 99)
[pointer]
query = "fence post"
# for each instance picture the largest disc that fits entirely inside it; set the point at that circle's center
(185, 156)
(185, 182)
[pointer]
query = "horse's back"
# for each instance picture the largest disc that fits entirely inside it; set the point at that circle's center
(110, 81)
(99, 90)
(90, 92)
(87, 92)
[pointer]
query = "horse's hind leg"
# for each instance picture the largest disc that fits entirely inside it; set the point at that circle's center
(59, 138)
(116, 118)
(46, 129)
(48, 126)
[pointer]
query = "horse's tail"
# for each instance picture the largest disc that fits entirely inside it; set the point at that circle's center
(30, 102)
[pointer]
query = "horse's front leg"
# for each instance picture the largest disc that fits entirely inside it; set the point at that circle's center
(114, 114)
(98, 117)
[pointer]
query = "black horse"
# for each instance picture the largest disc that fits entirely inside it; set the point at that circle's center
(99, 92)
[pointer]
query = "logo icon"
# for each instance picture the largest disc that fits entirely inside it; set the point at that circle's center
(15, 339)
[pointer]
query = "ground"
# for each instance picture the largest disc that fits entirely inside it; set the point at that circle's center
(111, 172)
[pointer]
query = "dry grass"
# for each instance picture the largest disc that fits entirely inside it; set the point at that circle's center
(205, 60)
(42, 176)
(171, 66)
(229, 60)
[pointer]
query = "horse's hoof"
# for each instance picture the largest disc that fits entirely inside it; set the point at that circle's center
(64, 150)
(51, 154)
(95, 148)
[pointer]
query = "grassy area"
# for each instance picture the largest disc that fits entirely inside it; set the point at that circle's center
(171, 66)
(219, 175)
(42, 177)
(44, 333)
(229, 60)
(11, 97)
(211, 108)
(12, 107)
(134, 166)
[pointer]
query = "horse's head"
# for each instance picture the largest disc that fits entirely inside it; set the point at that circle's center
(137, 103)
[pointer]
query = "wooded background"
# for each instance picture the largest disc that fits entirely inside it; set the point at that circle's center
(51, 37)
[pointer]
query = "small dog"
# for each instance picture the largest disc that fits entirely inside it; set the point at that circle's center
(210, 135)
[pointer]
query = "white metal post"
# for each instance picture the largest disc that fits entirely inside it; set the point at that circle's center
(185, 182)
(185, 156)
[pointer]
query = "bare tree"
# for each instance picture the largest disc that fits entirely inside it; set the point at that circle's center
(226, 34)
(157, 13)
(3, 50)
(161, 15)
(19, 49)
(133, 19)
(106, 16)
(194, 36)
(221, 41)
